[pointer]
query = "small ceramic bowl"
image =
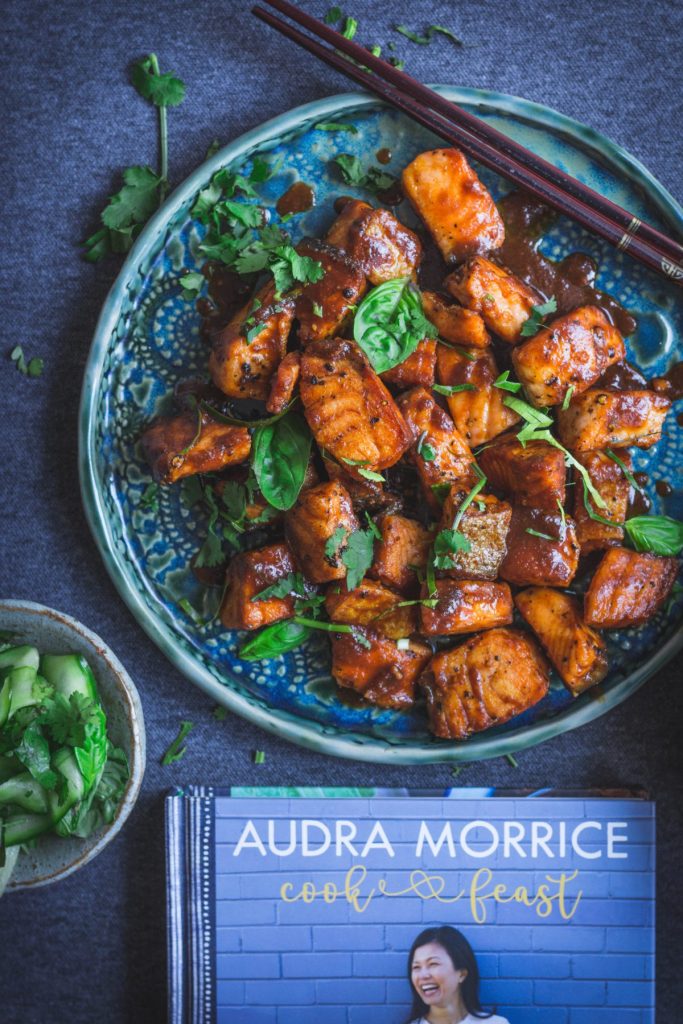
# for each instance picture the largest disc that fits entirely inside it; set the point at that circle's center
(50, 631)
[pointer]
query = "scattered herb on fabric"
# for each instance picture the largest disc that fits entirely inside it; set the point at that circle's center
(31, 368)
(176, 750)
(430, 32)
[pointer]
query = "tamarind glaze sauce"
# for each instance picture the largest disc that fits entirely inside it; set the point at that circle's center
(298, 198)
(569, 280)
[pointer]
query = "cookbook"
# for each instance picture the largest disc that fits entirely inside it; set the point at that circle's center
(290, 906)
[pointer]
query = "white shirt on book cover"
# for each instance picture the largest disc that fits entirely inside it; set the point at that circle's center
(469, 1019)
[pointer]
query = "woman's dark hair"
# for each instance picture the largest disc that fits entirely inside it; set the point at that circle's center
(463, 959)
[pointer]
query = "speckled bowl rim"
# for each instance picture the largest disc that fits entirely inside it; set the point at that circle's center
(135, 719)
(306, 732)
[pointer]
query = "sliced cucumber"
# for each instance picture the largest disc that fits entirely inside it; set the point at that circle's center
(69, 673)
(25, 791)
(4, 702)
(14, 657)
(19, 828)
(21, 688)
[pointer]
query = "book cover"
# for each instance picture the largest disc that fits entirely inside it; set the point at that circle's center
(293, 907)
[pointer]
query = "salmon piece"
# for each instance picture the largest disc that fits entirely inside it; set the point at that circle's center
(309, 525)
(610, 482)
(612, 419)
(322, 307)
(485, 524)
(439, 452)
(403, 549)
(484, 682)
(455, 323)
(374, 239)
(371, 604)
(457, 208)
(479, 415)
(246, 353)
(577, 651)
(384, 674)
(628, 588)
(417, 370)
(284, 382)
(533, 475)
(570, 354)
(192, 442)
(249, 573)
(365, 494)
(466, 606)
(348, 408)
(550, 560)
(502, 300)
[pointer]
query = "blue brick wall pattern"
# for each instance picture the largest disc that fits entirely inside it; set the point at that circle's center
(326, 963)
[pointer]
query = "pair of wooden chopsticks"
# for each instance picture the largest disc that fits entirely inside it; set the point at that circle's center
(480, 140)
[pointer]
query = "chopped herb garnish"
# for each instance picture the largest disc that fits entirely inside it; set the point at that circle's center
(452, 389)
(333, 15)
(32, 368)
(567, 398)
(535, 321)
(505, 384)
(350, 28)
(562, 514)
(624, 469)
(259, 757)
(370, 474)
(219, 713)
(441, 491)
(425, 450)
(403, 644)
(353, 173)
(375, 50)
(254, 332)
(293, 584)
(333, 543)
(425, 40)
(192, 284)
(336, 126)
(317, 309)
(511, 761)
(373, 527)
(176, 751)
(150, 497)
(537, 533)
(396, 63)
(357, 556)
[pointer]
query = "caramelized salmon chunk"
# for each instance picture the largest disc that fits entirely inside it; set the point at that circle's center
(577, 651)
(602, 419)
(541, 549)
(628, 588)
(417, 370)
(466, 606)
(365, 494)
(532, 475)
(401, 552)
(382, 673)
(322, 306)
(317, 513)
(246, 353)
(284, 382)
(478, 412)
(383, 247)
(608, 478)
(192, 442)
(485, 524)
(502, 300)
(250, 573)
(455, 323)
(439, 453)
(486, 681)
(348, 408)
(371, 604)
(456, 207)
(567, 356)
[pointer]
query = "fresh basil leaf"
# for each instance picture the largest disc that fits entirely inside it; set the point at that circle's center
(278, 638)
(280, 453)
(389, 324)
(660, 535)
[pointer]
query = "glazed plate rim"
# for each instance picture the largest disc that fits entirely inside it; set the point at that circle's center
(304, 731)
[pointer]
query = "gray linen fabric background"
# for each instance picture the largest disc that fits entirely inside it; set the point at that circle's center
(93, 946)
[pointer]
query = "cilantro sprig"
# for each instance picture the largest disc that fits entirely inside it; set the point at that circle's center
(31, 368)
(429, 33)
(143, 190)
(374, 179)
(534, 323)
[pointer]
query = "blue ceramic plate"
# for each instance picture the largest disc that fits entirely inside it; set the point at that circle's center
(147, 339)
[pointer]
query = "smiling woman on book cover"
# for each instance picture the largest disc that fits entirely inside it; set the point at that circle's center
(444, 975)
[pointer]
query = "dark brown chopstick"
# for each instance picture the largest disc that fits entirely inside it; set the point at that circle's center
(461, 133)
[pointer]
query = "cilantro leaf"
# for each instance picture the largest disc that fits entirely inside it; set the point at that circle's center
(291, 584)
(32, 368)
(357, 556)
(446, 544)
(425, 40)
(162, 90)
(135, 202)
(333, 15)
(352, 172)
(532, 326)
(333, 543)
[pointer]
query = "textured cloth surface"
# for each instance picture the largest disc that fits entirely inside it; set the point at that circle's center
(93, 946)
